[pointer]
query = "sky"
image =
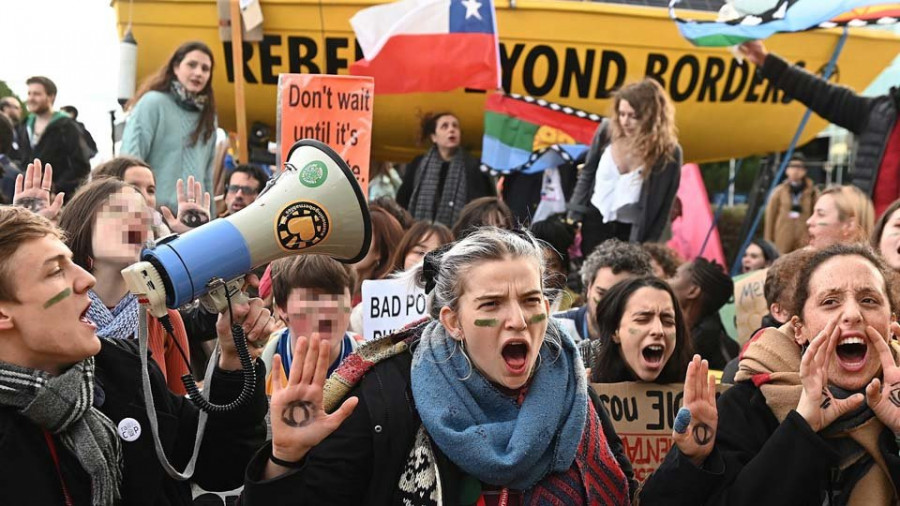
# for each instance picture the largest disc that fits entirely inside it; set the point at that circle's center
(77, 46)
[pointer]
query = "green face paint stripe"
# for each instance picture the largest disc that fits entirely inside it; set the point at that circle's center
(58, 297)
(538, 318)
(489, 322)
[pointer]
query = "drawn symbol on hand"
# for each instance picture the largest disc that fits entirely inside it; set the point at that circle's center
(298, 413)
(894, 396)
(702, 434)
(826, 399)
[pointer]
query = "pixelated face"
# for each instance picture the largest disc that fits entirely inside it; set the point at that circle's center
(447, 134)
(851, 289)
(425, 246)
(241, 192)
(38, 101)
(824, 226)
(142, 178)
(646, 332)
(309, 311)
(194, 71)
(48, 324)
(628, 118)
(502, 318)
(890, 241)
(121, 228)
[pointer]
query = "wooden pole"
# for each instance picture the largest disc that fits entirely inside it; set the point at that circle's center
(237, 57)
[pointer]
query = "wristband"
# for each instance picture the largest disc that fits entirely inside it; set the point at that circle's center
(283, 463)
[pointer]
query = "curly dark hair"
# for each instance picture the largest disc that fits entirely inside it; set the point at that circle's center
(801, 294)
(620, 257)
(667, 258)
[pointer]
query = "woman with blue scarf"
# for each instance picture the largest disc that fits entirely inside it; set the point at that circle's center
(485, 403)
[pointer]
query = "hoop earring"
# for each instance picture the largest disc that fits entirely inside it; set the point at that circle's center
(461, 345)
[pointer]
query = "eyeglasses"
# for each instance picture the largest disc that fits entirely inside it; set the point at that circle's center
(246, 190)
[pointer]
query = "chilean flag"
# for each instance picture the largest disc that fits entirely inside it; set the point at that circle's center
(428, 45)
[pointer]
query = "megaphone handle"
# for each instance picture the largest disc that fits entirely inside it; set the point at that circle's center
(216, 299)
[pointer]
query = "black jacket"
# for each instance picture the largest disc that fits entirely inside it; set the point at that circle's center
(870, 118)
(361, 462)
(657, 193)
(29, 475)
(478, 184)
(62, 146)
(712, 342)
(759, 461)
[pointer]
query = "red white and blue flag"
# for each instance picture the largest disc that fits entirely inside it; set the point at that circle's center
(428, 45)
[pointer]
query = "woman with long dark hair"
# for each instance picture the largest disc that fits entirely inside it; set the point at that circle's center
(438, 184)
(172, 122)
(631, 175)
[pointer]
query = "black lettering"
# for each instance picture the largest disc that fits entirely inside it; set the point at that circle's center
(358, 52)
(229, 62)
(730, 92)
(685, 61)
(268, 61)
(608, 57)
(572, 69)
(715, 69)
(293, 95)
(299, 60)
(333, 63)
(658, 407)
(770, 94)
(755, 81)
(657, 64)
(528, 80)
(508, 63)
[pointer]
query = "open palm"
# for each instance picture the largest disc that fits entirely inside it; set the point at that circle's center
(885, 402)
(299, 421)
(697, 440)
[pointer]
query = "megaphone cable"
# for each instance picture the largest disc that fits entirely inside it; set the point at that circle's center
(247, 369)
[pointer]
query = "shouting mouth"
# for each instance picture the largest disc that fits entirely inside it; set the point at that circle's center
(851, 353)
(653, 356)
(515, 355)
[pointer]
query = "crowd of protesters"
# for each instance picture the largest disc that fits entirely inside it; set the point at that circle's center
(494, 397)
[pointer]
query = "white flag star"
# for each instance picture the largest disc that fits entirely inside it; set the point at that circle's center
(472, 7)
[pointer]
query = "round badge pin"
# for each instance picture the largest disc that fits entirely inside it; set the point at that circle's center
(129, 429)
(313, 174)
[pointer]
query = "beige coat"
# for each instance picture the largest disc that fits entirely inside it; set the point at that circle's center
(785, 231)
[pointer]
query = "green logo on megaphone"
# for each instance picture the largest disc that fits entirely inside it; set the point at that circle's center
(313, 174)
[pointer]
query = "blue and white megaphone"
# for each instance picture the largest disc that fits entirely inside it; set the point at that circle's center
(315, 205)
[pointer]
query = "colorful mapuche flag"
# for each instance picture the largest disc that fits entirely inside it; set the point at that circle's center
(530, 135)
(777, 16)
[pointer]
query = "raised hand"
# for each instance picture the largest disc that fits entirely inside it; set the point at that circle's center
(755, 51)
(817, 406)
(696, 423)
(299, 421)
(885, 402)
(32, 191)
(191, 214)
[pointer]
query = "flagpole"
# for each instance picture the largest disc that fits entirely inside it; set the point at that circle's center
(237, 57)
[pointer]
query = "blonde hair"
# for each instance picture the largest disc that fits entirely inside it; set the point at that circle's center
(657, 136)
(851, 202)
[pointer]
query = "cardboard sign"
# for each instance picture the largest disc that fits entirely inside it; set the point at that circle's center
(335, 110)
(389, 305)
(253, 29)
(643, 415)
(749, 303)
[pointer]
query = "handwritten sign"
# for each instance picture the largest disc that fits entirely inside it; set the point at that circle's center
(389, 305)
(643, 415)
(334, 110)
(750, 303)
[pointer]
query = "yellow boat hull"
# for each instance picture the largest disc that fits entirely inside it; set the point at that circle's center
(569, 52)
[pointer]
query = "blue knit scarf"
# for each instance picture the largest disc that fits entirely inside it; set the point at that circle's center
(484, 431)
(121, 322)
